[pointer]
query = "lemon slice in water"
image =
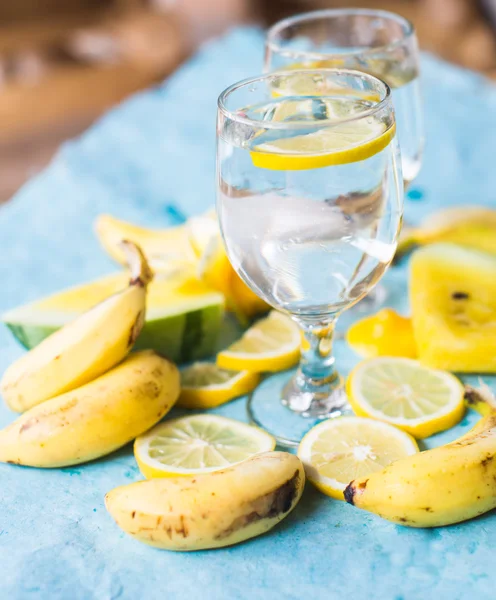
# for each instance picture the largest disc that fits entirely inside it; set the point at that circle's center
(338, 144)
(198, 444)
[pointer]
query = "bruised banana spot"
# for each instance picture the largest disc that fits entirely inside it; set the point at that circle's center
(151, 390)
(158, 373)
(28, 424)
(182, 529)
(275, 503)
(135, 329)
(487, 461)
(353, 489)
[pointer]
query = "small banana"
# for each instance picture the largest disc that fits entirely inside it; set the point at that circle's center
(84, 348)
(164, 248)
(95, 419)
(471, 226)
(212, 510)
(437, 487)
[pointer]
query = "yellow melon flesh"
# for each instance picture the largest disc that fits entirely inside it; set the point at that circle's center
(453, 300)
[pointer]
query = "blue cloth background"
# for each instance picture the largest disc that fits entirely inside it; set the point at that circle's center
(151, 160)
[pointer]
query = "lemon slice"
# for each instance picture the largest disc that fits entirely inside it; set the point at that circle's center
(198, 444)
(205, 385)
(216, 271)
(272, 344)
(401, 391)
(340, 144)
(384, 334)
(201, 230)
(339, 450)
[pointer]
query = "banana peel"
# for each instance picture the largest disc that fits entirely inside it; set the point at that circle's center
(469, 226)
(195, 247)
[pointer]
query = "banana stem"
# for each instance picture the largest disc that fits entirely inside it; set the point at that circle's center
(141, 273)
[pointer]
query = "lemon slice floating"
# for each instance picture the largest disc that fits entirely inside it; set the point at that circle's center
(197, 444)
(401, 391)
(339, 450)
(205, 385)
(339, 144)
(272, 344)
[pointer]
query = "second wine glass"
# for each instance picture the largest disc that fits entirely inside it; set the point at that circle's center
(378, 42)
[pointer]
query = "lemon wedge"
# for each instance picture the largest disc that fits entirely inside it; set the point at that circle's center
(205, 385)
(402, 392)
(384, 334)
(339, 144)
(198, 444)
(216, 271)
(272, 344)
(339, 450)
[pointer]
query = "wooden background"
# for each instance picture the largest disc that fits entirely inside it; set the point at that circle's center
(64, 62)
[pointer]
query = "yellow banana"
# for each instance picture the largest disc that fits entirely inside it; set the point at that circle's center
(212, 510)
(165, 249)
(471, 226)
(84, 348)
(95, 419)
(437, 487)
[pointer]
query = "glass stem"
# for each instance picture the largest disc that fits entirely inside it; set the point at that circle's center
(317, 359)
(316, 389)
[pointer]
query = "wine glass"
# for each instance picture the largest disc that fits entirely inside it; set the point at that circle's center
(378, 42)
(309, 199)
(374, 41)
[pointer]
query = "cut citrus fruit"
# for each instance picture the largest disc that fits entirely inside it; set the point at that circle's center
(215, 269)
(401, 391)
(183, 318)
(201, 230)
(198, 444)
(339, 144)
(339, 450)
(384, 334)
(205, 385)
(272, 344)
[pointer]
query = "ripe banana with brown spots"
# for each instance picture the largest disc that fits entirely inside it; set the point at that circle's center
(84, 348)
(211, 510)
(437, 487)
(95, 419)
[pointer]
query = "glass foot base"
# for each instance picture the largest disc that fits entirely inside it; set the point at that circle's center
(279, 407)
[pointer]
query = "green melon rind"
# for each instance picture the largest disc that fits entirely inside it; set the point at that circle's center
(182, 338)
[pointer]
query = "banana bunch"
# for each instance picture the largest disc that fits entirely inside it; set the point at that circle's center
(437, 487)
(95, 419)
(79, 405)
(212, 510)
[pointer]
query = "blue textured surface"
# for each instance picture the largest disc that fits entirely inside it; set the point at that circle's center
(152, 161)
